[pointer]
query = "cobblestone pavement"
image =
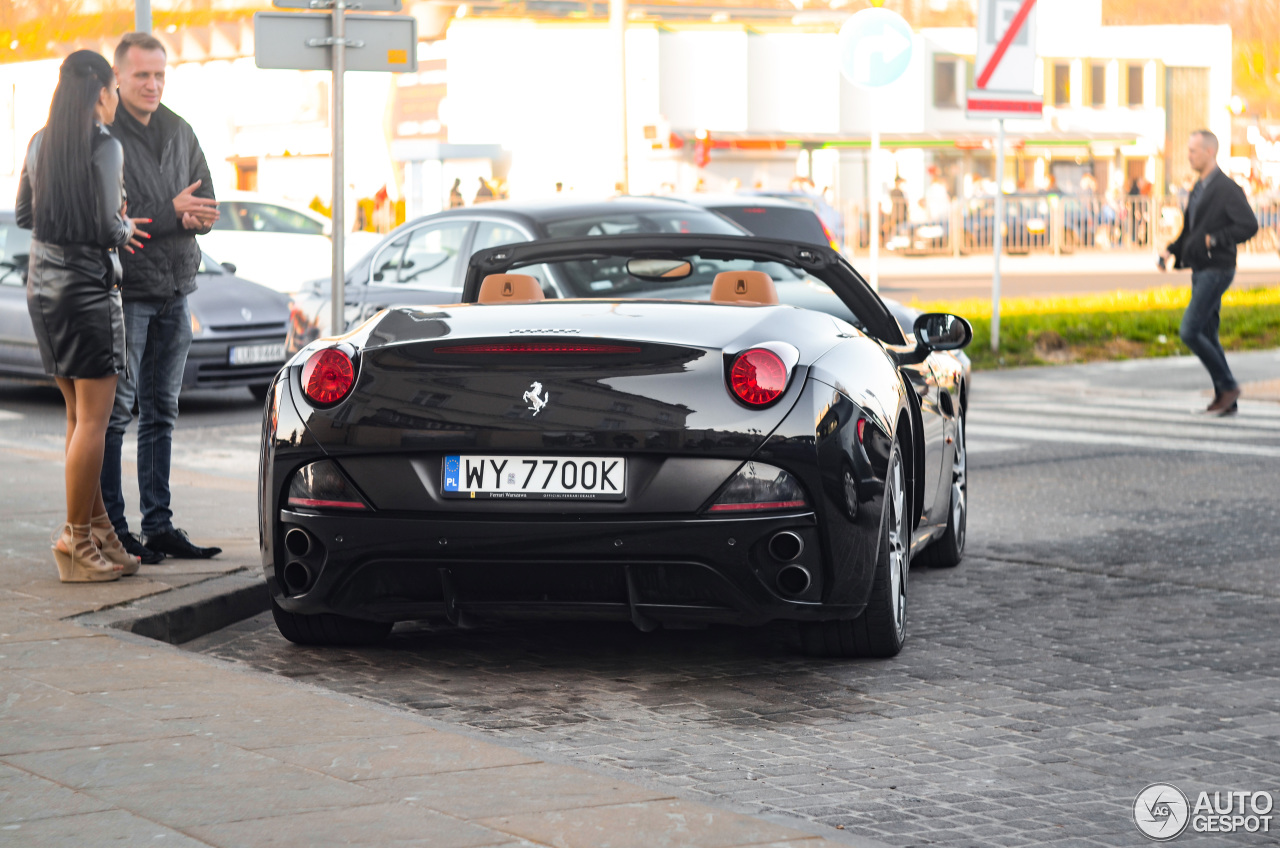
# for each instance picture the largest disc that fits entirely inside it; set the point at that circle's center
(1114, 625)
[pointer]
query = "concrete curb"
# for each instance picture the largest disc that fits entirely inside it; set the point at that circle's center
(183, 614)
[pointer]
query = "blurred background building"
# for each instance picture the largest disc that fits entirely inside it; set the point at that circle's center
(719, 96)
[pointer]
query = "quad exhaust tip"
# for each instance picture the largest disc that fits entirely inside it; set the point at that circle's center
(297, 578)
(297, 542)
(785, 546)
(793, 580)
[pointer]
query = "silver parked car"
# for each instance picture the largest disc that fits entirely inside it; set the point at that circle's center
(238, 327)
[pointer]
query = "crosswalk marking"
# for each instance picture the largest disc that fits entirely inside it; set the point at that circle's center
(1085, 437)
(1008, 419)
(1091, 420)
(1181, 414)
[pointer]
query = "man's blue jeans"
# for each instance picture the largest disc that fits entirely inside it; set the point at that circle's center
(157, 338)
(1199, 329)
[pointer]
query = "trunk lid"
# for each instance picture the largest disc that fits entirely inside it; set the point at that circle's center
(516, 378)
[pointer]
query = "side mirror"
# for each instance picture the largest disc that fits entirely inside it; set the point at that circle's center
(230, 267)
(942, 331)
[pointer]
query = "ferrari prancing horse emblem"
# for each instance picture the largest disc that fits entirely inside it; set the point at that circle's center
(532, 398)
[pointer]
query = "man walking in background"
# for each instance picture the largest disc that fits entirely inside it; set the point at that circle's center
(166, 179)
(1217, 219)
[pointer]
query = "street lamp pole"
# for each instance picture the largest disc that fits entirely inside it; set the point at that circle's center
(618, 25)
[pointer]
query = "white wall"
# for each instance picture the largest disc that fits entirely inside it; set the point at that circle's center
(703, 79)
(792, 82)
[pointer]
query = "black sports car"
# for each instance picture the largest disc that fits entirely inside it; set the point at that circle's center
(667, 444)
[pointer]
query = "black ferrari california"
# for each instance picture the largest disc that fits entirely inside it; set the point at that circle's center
(668, 444)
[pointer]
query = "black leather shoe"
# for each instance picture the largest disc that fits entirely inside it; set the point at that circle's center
(141, 551)
(176, 544)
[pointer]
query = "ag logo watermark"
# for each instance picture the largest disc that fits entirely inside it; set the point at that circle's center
(1162, 812)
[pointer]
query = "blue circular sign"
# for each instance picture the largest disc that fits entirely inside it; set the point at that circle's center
(875, 47)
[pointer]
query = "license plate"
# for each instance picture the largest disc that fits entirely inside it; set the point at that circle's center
(257, 354)
(591, 478)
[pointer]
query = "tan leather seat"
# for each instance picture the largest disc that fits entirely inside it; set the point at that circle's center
(744, 287)
(510, 288)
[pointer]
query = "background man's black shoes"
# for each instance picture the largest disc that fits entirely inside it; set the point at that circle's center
(141, 551)
(176, 544)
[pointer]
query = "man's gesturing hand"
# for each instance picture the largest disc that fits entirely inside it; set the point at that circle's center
(195, 212)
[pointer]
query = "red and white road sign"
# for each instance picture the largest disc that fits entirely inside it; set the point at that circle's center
(1006, 61)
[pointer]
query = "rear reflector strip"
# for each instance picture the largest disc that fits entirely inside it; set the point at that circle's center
(748, 506)
(314, 502)
(537, 347)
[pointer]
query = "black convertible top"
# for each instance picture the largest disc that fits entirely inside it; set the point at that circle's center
(821, 263)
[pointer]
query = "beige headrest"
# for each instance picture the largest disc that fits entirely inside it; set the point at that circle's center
(743, 287)
(510, 288)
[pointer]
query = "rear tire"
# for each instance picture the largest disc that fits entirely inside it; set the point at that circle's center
(327, 628)
(882, 628)
(948, 550)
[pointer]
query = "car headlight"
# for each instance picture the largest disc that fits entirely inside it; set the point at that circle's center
(196, 328)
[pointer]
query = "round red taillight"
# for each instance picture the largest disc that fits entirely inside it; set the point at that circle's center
(758, 376)
(328, 375)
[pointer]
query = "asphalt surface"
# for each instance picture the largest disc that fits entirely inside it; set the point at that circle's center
(1112, 626)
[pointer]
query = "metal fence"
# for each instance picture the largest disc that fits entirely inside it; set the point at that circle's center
(1043, 224)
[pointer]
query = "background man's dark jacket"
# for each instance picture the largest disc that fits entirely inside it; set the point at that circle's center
(1222, 212)
(160, 160)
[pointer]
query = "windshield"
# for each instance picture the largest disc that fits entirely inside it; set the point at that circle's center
(658, 221)
(607, 277)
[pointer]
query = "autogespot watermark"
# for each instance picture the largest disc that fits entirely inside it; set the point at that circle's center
(1162, 812)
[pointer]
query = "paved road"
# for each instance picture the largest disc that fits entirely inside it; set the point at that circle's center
(1113, 626)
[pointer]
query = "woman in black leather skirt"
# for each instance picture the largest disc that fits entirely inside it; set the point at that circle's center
(72, 196)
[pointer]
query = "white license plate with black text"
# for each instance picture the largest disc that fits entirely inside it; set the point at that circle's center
(535, 477)
(257, 354)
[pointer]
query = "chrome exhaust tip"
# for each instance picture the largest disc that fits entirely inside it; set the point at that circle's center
(793, 580)
(785, 546)
(297, 578)
(297, 542)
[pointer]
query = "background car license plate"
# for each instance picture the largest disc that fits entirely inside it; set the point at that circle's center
(535, 477)
(257, 354)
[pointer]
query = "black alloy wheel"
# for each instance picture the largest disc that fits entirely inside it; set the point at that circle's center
(948, 549)
(882, 628)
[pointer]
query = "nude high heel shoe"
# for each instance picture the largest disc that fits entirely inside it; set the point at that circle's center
(81, 562)
(104, 536)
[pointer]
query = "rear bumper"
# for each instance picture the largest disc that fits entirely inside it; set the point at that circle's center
(649, 571)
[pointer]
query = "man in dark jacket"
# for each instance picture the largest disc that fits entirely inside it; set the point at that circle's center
(1217, 218)
(166, 179)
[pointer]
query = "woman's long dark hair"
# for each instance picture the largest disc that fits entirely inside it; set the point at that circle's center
(64, 197)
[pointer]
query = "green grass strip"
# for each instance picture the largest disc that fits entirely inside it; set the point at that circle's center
(1120, 325)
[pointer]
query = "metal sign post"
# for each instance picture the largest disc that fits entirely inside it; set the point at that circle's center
(875, 50)
(997, 240)
(338, 200)
(1003, 89)
(142, 15)
(320, 42)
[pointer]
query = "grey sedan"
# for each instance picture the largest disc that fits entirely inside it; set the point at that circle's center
(238, 327)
